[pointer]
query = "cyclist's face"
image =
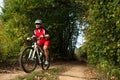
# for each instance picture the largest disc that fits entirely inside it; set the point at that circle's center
(37, 25)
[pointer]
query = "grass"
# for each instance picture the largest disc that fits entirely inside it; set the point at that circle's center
(51, 74)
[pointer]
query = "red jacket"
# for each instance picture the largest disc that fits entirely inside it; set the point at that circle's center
(39, 32)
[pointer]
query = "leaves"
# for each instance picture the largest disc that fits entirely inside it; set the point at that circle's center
(102, 35)
(59, 16)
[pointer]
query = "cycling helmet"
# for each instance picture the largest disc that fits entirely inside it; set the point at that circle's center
(38, 21)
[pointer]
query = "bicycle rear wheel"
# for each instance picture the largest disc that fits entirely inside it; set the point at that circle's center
(43, 65)
(28, 64)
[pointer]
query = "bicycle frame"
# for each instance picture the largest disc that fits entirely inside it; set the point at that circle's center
(32, 52)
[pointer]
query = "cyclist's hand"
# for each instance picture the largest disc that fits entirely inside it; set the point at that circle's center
(33, 37)
(41, 36)
(28, 38)
(47, 36)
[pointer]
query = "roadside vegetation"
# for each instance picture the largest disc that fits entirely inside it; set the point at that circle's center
(100, 18)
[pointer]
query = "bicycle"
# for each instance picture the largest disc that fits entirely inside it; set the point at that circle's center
(31, 56)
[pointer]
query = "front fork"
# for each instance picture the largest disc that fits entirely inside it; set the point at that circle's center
(32, 52)
(32, 55)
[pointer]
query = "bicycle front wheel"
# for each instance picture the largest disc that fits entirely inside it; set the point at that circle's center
(27, 63)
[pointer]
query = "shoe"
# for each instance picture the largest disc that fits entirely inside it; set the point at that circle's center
(40, 62)
(46, 62)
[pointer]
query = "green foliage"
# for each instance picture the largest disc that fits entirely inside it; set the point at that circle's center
(81, 54)
(59, 16)
(102, 35)
(15, 29)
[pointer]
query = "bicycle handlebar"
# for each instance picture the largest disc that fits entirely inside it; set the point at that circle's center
(34, 38)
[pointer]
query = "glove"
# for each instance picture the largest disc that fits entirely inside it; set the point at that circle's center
(41, 36)
(28, 39)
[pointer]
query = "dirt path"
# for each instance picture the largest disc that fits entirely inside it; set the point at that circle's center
(75, 71)
(78, 71)
(11, 75)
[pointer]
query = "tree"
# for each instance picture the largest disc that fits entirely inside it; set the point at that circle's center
(102, 35)
(59, 16)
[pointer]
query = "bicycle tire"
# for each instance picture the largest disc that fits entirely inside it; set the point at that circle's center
(43, 65)
(26, 64)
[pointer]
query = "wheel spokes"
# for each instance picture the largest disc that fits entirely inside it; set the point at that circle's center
(28, 63)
